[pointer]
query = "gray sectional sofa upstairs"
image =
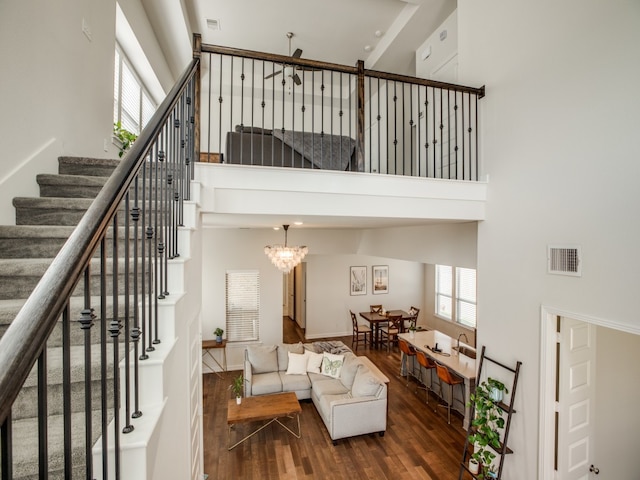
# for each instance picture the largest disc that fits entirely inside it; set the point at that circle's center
(348, 391)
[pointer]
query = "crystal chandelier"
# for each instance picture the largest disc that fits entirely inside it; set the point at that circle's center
(284, 257)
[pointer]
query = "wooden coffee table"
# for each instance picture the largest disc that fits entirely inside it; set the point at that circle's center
(263, 407)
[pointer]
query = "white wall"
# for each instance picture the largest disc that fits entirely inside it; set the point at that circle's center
(561, 109)
(56, 89)
(329, 301)
(442, 51)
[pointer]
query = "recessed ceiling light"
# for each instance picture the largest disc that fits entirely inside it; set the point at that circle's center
(378, 33)
(297, 223)
(213, 24)
(367, 48)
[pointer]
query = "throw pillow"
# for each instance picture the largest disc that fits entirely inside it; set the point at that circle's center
(314, 361)
(283, 354)
(332, 364)
(263, 358)
(349, 369)
(297, 364)
(366, 384)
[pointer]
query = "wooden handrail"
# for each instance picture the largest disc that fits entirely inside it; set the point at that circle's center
(26, 337)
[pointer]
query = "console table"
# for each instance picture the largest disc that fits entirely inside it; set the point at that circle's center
(208, 345)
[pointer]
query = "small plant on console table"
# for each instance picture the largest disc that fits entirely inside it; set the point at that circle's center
(412, 327)
(487, 424)
(236, 387)
(218, 333)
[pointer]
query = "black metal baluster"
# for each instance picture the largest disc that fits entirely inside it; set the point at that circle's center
(340, 115)
(220, 100)
(86, 322)
(143, 218)
(161, 204)
(273, 109)
(127, 318)
(419, 139)
(331, 131)
(231, 98)
(379, 117)
(441, 138)
(455, 122)
(43, 433)
(476, 137)
(464, 163)
(395, 129)
(209, 115)
(6, 448)
(262, 105)
(449, 133)
(283, 83)
(435, 140)
(322, 121)
(157, 250)
(148, 266)
(103, 359)
(293, 120)
(426, 130)
(410, 129)
(177, 183)
(253, 81)
(302, 109)
(114, 331)
(242, 108)
(313, 119)
(135, 331)
(66, 388)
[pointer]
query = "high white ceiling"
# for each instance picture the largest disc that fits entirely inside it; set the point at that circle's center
(335, 31)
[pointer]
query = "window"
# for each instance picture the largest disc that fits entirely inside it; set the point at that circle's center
(243, 305)
(466, 296)
(462, 306)
(444, 291)
(132, 104)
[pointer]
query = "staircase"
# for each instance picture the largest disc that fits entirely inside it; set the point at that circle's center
(26, 249)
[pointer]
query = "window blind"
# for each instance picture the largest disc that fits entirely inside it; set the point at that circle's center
(243, 305)
(444, 290)
(466, 296)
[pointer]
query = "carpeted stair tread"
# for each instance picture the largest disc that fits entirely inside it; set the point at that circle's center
(70, 186)
(25, 446)
(99, 167)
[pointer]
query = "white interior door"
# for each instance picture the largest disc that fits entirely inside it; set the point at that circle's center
(576, 406)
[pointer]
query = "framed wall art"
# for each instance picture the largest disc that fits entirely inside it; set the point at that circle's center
(380, 279)
(358, 280)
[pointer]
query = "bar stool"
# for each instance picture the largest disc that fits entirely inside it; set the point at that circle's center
(429, 365)
(445, 376)
(409, 352)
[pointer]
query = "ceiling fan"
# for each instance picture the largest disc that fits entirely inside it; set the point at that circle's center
(290, 70)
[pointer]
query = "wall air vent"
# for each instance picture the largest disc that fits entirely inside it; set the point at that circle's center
(564, 260)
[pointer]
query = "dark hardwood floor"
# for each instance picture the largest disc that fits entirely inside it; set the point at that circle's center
(418, 443)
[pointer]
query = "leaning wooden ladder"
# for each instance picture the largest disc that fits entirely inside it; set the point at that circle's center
(508, 411)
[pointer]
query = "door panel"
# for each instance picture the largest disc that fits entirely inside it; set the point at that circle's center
(576, 397)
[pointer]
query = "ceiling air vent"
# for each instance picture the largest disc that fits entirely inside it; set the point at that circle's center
(564, 260)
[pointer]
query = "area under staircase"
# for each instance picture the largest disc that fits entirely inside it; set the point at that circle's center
(43, 224)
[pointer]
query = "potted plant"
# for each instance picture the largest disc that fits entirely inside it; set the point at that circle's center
(218, 333)
(487, 424)
(237, 387)
(412, 327)
(124, 137)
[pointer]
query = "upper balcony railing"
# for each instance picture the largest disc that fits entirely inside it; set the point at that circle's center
(276, 110)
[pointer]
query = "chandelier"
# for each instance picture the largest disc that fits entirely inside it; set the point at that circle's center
(284, 257)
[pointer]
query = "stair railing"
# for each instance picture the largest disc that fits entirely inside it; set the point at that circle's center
(143, 202)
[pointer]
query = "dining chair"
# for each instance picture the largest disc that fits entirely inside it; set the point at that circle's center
(408, 352)
(360, 332)
(391, 330)
(429, 365)
(375, 308)
(413, 317)
(445, 375)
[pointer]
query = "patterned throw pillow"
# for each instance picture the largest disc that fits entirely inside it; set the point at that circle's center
(332, 364)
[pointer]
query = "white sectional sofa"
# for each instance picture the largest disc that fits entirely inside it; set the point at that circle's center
(349, 392)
